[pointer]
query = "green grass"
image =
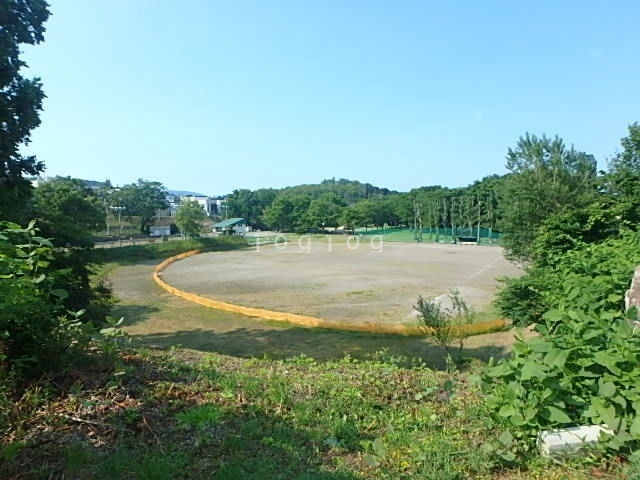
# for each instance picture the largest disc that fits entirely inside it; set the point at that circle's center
(131, 254)
(158, 319)
(212, 416)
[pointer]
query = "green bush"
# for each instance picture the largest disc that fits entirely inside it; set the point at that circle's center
(34, 327)
(522, 299)
(445, 324)
(596, 276)
(593, 277)
(583, 368)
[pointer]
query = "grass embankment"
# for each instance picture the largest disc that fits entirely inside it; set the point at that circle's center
(131, 254)
(183, 414)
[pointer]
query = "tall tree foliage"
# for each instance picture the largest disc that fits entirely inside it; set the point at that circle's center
(546, 178)
(142, 199)
(21, 22)
(67, 211)
(610, 215)
(351, 191)
(190, 218)
(287, 212)
(249, 204)
(324, 211)
(623, 178)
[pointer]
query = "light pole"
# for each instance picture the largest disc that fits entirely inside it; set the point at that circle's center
(107, 218)
(119, 210)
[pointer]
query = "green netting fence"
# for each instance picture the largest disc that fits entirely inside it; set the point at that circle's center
(440, 235)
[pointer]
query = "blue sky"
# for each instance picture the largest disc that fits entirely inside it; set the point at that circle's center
(212, 96)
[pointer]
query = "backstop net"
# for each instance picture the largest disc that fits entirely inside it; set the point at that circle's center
(480, 235)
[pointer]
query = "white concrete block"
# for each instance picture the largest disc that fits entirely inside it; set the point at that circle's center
(568, 440)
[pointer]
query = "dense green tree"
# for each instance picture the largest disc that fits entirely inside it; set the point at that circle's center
(240, 203)
(68, 211)
(622, 180)
(488, 193)
(287, 212)
(356, 216)
(546, 178)
(332, 195)
(21, 22)
(459, 210)
(627, 162)
(262, 199)
(351, 191)
(324, 211)
(399, 209)
(376, 211)
(250, 205)
(611, 214)
(190, 217)
(143, 200)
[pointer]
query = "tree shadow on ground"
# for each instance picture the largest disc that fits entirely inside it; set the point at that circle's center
(319, 344)
(134, 313)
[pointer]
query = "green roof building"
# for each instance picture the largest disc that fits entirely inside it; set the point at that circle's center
(232, 226)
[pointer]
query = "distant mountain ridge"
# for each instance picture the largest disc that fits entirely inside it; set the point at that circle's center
(352, 190)
(177, 193)
(185, 193)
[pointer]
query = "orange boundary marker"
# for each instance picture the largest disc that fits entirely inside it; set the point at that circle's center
(304, 320)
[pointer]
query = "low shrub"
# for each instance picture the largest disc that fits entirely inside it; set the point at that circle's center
(35, 328)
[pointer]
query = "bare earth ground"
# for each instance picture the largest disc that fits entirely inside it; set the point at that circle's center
(156, 318)
(360, 281)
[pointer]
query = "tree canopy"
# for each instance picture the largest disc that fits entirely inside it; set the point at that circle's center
(67, 210)
(623, 178)
(190, 218)
(21, 22)
(287, 212)
(546, 178)
(142, 199)
(250, 205)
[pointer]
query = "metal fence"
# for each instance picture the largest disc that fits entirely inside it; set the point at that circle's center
(481, 235)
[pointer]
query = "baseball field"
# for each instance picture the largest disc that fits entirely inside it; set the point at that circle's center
(348, 279)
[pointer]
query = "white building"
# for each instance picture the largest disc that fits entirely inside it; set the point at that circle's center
(207, 203)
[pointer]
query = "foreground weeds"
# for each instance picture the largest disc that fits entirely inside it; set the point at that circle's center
(182, 414)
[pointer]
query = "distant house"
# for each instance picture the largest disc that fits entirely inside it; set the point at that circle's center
(232, 226)
(206, 203)
(172, 206)
(219, 205)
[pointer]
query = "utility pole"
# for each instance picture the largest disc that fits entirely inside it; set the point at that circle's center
(479, 217)
(417, 220)
(119, 210)
(453, 223)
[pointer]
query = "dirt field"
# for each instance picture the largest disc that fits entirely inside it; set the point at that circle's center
(356, 281)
